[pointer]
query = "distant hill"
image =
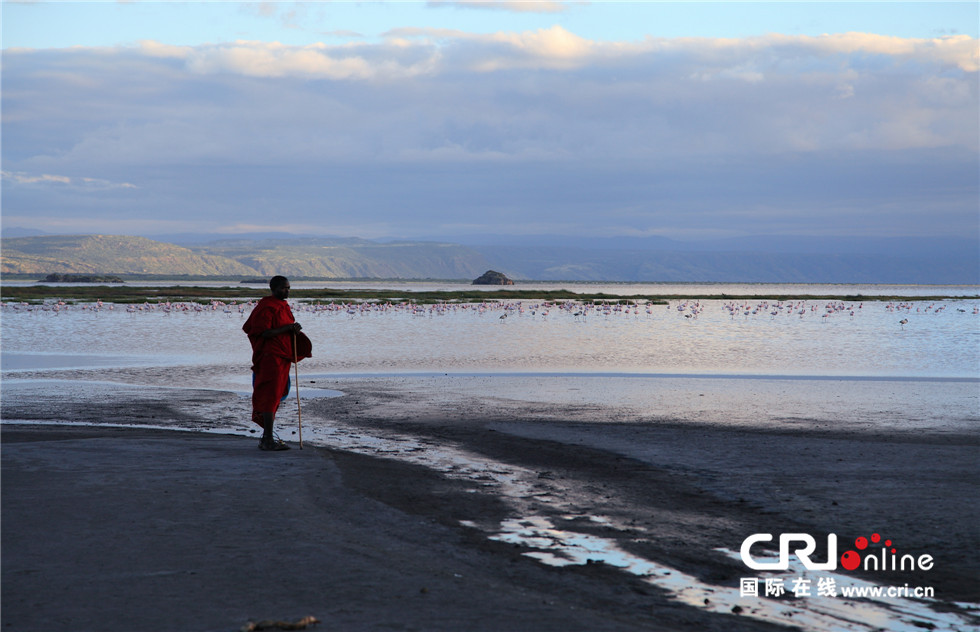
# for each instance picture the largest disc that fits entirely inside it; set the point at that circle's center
(906, 262)
(351, 258)
(108, 254)
(314, 257)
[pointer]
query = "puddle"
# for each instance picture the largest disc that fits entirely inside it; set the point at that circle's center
(10, 361)
(107, 388)
(506, 480)
(557, 547)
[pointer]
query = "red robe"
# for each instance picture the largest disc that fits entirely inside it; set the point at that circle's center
(271, 357)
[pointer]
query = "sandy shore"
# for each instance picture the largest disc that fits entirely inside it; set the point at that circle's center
(406, 519)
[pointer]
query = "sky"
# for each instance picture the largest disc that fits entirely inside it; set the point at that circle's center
(450, 121)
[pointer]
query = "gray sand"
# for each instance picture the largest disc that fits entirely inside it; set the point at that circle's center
(140, 529)
(145, 530)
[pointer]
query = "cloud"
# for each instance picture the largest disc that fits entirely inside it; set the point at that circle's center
(343, 34)
(410, 51)
(438, 129)
(272, 59)
(517, 6)
(291, 15)
(47, 179)
(954, 51)
(428, 95)
(22, 178)
(151, 48)
(262, 59)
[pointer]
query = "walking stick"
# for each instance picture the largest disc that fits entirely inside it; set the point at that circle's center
(299, 408)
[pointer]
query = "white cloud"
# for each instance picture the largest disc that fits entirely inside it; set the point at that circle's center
(263, 59)
(552, 44)
(151, 48)
(408, 52)
(80, 183)
(528, 130)
(957, 51)
(46, 178)
(517, 6)
(445, 95)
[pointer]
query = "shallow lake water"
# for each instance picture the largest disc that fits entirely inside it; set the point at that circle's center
(712, 360)
(898, 339)
(904, 365)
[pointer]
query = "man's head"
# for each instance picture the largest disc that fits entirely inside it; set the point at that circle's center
(280, 287)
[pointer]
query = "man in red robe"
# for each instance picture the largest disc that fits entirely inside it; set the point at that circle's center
(272, 330)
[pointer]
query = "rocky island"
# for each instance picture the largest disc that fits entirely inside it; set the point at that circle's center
(491, 277)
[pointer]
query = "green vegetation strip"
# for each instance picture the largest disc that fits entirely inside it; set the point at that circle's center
(134, 294)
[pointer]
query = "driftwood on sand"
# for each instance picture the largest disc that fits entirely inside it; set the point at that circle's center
(270, 624)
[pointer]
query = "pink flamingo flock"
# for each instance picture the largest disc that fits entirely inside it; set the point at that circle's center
(689, 309)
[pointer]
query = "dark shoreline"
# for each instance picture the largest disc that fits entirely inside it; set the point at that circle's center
(148, 530)
(144, 530)
(190, 293)
(155, 530)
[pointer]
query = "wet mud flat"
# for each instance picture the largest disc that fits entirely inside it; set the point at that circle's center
(670, 501)
(113, 529)
(404, 513)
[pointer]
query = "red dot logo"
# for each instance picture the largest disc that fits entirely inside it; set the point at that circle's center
(850, 560)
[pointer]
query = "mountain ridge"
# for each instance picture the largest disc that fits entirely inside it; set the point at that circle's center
(309, 257)
(903, 261)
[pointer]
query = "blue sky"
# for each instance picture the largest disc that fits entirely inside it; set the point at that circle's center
(60, 24)
(448, 120)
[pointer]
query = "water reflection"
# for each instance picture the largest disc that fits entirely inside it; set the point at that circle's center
(558, 547)
(940, 340)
